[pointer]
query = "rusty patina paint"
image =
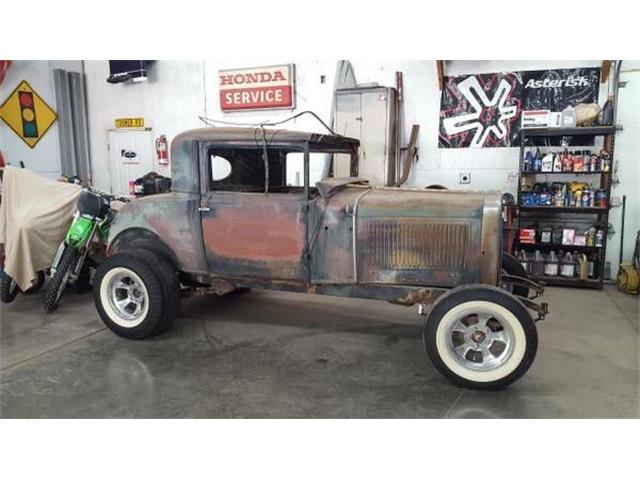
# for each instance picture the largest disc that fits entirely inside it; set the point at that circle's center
(401, 245)
(277, 237)
(256, 235)
(331, 237)
(420, 237)
(173, 218)
(404, 237)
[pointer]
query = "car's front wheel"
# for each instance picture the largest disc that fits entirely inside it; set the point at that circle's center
(480, 337)
(130, 296)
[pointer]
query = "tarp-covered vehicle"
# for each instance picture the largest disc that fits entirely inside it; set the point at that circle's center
(35, 214)
(256, 208)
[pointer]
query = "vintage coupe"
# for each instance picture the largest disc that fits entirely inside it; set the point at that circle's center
(259, 208)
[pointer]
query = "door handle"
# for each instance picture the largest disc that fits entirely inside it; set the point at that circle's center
(204, 209)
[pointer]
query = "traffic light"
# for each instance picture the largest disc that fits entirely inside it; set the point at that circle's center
(28, 113)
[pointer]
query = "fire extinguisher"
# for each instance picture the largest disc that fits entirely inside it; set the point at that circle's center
(162, 150)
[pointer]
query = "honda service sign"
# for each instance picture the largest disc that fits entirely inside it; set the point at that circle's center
(258, 88)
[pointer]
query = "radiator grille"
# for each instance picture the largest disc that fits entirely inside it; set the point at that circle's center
(417, 246)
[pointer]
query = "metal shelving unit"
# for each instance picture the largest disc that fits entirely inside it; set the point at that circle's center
(560, 215)
(547, 247)
(569, 132)
(566, 173)
(568, 282)
(542, 209)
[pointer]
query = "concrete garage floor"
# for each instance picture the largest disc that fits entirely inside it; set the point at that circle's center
(271, 354)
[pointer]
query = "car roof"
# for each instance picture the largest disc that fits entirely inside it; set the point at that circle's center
(257, 135)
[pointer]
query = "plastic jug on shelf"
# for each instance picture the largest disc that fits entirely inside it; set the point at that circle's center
(537, 264)
(528, 162)
(537, 161)
(551, 265)
(568, 117)
(567, 267)
(583, 267)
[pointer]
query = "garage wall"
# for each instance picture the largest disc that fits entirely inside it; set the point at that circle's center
(179, 91)
(170, 102)
(44, 158)
(490, 168)
(627, 166)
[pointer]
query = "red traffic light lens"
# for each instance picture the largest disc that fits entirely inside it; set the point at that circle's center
(26, 99)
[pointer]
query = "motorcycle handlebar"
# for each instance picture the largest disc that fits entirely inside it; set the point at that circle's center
(105, 195)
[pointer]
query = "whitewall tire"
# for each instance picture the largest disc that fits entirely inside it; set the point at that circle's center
(480, 337)
(131, 296)
(124, 297)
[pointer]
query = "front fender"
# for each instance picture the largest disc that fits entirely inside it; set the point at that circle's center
(79, 232)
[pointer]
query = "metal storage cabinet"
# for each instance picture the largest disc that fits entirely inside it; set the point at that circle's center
(369, 114)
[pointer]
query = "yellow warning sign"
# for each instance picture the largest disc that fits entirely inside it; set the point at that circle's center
(27, 114)
(129, 122)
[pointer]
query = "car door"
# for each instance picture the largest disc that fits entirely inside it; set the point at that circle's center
(248, 233)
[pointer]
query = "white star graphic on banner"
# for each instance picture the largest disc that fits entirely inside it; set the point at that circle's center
(472, 90)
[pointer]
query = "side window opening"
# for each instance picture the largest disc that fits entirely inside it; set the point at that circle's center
(220, 168)
(295, 168)
(242, 169)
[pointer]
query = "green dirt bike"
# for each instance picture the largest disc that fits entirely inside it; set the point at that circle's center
(90, 222)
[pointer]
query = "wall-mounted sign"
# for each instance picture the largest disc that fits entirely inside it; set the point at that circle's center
(258, 88)
(485, 110)
(27, 114)
(4, 66)
(129, 122)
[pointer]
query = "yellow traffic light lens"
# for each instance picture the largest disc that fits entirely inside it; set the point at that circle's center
(28, 115)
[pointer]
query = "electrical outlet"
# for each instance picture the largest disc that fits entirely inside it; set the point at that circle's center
(465, 178)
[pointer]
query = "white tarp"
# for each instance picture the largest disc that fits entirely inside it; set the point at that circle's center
(35, 214)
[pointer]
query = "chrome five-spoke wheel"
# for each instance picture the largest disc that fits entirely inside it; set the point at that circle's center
(480, 341)
(480, 337)
(125, 297)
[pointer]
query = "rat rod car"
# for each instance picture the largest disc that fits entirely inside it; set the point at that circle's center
(258, 208)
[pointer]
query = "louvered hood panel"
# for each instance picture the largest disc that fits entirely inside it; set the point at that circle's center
(417, 237)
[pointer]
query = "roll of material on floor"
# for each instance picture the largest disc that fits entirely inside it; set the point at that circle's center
(628, 279)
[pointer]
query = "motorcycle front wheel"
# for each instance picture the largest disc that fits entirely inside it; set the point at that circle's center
(60, 279)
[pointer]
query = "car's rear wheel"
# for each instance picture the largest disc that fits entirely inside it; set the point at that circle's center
(169, 280)
(130, 296)
(480, 337)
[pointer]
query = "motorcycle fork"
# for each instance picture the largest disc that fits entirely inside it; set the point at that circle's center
(56, 259)
(85, 250)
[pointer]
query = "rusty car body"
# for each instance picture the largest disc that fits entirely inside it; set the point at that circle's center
(256, 228)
